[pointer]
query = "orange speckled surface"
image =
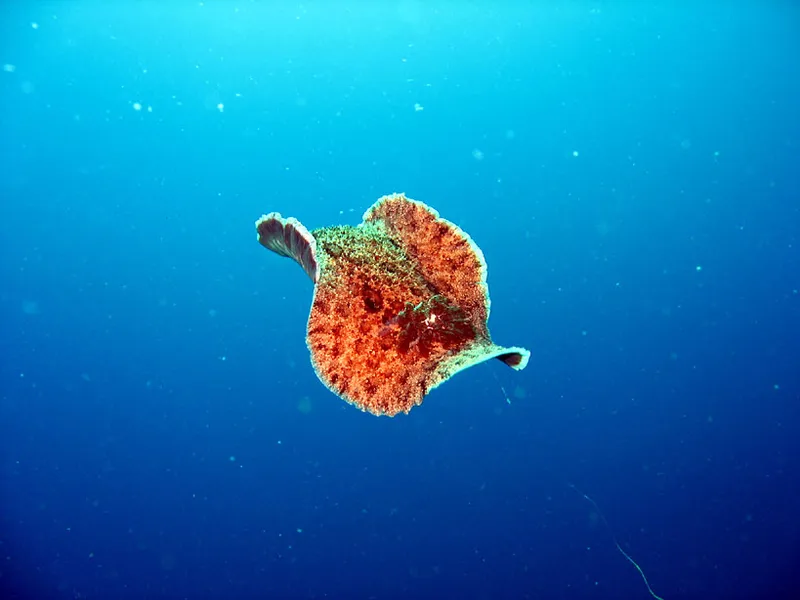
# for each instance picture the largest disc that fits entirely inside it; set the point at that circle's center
(445, 256)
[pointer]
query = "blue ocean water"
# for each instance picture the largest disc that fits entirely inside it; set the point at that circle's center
(630, 171)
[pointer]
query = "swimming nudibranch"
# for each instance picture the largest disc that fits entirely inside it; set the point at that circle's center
(400, 302)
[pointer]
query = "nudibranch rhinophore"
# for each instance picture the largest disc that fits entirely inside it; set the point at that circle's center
(400, 302)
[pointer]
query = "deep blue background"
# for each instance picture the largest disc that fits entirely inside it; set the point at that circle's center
(631, 172)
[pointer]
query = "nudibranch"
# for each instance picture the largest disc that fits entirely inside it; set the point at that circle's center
(400, 302)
